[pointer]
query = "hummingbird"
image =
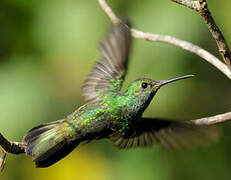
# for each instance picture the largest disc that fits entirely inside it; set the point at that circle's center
(110, 113)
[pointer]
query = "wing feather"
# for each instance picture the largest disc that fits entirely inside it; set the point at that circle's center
(110, 71)
(172, 135)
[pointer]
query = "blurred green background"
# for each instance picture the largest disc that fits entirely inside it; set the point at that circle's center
(47, 48)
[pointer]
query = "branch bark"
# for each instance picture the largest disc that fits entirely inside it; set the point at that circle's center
(200, 6)
(170, 40)
(9, 147)
(220, 118)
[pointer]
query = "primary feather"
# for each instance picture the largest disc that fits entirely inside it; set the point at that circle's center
(173, 135)
(110, 71)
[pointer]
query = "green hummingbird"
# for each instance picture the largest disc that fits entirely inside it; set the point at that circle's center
(111, 113)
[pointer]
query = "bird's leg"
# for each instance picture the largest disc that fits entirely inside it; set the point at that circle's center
(10, 147)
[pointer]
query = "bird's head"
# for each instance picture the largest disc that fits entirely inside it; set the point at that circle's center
(143, 89)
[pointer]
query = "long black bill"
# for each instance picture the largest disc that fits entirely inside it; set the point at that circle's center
(163, 82)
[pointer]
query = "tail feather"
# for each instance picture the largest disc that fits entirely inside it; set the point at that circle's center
(61, 150)
(48, 143)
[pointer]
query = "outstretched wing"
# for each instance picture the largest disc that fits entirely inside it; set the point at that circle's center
(171, 134)
(110, 71)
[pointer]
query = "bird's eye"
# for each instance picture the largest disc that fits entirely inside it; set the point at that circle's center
(144, 85)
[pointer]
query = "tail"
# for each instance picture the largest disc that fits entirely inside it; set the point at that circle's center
(48, 143)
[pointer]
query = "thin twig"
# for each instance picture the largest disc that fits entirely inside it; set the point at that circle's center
(202, 7)
(109, 11)
(2, 159)
(170, 40)
(10, 147)
(220, 118)
(184, 45)
(195, 5)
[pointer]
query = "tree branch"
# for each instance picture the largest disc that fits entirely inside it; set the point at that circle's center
(189, 47)
(202, 7)
(170, 40)
(2, 159)
(220, 118)
(184, 45)
(10, 147)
